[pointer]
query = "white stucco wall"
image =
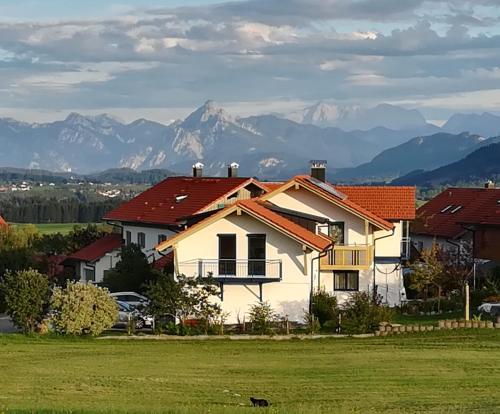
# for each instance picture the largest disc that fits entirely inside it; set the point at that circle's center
(290, 296)
(151, 233)
(105, 263)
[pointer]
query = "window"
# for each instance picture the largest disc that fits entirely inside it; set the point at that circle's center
(89, 274)
(227, 254)
(141, 240)
(346, 281)
(336, 231)
(161, 238)
(128, 237)
(256, 255)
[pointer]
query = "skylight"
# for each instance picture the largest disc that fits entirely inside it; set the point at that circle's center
(179, 198)
(444, 210)
(455, 209)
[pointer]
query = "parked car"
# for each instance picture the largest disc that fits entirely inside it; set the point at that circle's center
(132, 298)
(127, 312)
(492, 309)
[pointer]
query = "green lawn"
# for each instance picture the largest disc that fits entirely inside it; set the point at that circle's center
(50, 228)
(438, 372)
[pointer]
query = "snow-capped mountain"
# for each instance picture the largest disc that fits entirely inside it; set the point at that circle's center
(355, 117)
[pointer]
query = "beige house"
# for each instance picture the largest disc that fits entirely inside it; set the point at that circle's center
(297, 237)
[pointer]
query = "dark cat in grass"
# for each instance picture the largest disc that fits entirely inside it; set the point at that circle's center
(257, 402)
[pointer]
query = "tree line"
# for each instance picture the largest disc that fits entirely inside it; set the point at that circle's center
(51, 210)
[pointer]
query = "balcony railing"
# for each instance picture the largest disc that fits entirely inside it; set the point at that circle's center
(234, 269)
(348, 258)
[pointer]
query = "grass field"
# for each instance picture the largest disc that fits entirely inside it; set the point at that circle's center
(63, 228)
(438, 372)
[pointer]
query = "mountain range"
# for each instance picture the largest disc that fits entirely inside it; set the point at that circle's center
(359, 143)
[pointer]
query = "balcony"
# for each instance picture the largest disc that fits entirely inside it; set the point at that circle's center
(236, 271)
(358, 257)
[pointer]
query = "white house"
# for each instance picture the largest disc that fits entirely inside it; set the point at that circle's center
(303, 235)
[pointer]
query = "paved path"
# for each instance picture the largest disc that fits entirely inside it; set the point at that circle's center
(6, 324)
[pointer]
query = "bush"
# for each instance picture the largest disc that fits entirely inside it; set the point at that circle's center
(25, 295)
(326, 310)
(82, 308)
(262, 317)
(363, 314)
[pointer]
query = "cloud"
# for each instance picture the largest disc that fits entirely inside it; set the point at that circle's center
(254, 51)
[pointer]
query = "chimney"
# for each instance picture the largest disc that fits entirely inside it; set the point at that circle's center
(489, 184)
(232, 170)
(198, 169)
(318, 169)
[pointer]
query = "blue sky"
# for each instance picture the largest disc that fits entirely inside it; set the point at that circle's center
(161, 59)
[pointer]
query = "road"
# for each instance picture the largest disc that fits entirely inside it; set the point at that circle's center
(6, 324)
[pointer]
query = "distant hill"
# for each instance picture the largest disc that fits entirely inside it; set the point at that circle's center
(481, 165)
(486, 124)
(421, 153)
(114, 176)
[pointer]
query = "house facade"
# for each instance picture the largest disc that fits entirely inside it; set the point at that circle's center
(298, 237)
(463, 221)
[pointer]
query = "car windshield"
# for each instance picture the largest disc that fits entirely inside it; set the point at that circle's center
(125, 307)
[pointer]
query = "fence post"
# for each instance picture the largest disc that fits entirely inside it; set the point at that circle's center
(467, 304)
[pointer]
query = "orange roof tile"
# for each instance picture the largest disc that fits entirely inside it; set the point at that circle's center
(387, 202)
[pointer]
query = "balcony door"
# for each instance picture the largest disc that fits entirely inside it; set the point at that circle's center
(256, 254)
(227, 254)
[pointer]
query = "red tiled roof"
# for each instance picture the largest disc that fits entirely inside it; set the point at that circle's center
(390, 203)
(478, 206)
(99, 248)
(158, 205)
(164, 262)
(347, 202)
(257, 210)
(316, 240)
(271, 186)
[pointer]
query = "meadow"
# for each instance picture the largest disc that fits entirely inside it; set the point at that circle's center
(435, 372)
(52, 228)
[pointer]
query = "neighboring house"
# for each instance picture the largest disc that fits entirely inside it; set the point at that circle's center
(301, 235)
(167, 208)
(90, 263)
(462, 221)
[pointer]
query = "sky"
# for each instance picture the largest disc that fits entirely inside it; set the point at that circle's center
(161, 59)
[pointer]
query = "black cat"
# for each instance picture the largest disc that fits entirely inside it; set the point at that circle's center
(257, 402)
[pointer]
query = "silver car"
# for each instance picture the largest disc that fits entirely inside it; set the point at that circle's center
(127, 313)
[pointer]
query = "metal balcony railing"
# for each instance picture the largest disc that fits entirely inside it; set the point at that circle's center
(231, 268)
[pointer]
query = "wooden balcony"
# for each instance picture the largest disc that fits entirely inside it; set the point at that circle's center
(348, 258)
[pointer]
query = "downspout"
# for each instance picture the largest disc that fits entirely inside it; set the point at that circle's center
(323, 253)
(374, 256)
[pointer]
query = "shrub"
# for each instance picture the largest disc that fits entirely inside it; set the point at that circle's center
(82, 308)
(313, 325)
(363, 314)
(325, 308)
(262, 316)
(25, 295)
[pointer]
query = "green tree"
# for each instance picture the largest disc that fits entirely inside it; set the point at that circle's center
(262, 316)
(428, 272)
(132, 272)
(83, 309)
(325, 308)
(26, 294)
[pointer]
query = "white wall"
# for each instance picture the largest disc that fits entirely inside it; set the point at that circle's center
(151, 238)
(288, 297)
(106, 262)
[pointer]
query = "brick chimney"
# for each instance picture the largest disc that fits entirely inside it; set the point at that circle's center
(318, 169)
(198, 169)
(232, 170)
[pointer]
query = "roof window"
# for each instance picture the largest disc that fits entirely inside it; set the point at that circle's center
(179, 198)
(444, 210)
(455, 209)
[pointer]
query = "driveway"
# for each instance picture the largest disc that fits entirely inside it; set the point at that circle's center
(6, 324)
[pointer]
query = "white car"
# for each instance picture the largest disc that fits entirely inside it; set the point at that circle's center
(127, 312)
(491, 308)
(132, 298)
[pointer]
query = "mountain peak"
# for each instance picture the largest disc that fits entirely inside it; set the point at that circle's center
(208, 111)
